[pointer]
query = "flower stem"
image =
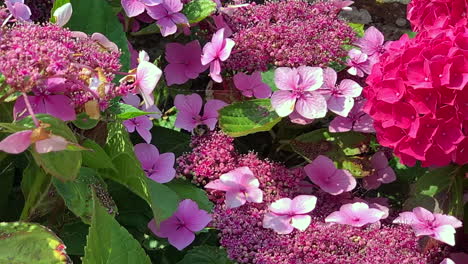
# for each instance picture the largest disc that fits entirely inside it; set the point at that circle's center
(30, 110)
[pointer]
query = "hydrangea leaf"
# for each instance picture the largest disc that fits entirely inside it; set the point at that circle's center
(35, 186)
(109, 242)
(268, 77)
(358, 28)
(125, 111)
(83, 121)
(186, 190)
(96, 157)
(168, 140)
(78, 194)
(92, 16)
(248, 117)
(206, 255)
(197, 10)
(22, 243)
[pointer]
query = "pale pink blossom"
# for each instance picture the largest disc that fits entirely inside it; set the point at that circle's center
(286, 214)
(355, 214)
(323, 172)
(20, 141)
(358, 62)
(297, 92)
(146, 77)
(424, 223)
(252, 85)
(158, 167)
(383, 173)
(372, 43)
(190, 106)
(240, 186)
(215, 52)
(63, 14)
(181, 227)
(340, 98)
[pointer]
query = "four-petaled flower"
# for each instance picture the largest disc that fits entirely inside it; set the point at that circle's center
(240, 186)
(358, 62)
(215, 52)
(158, 167)
(424, 223)
(184, 62)
(168, 16)
(355, 214)
(287, 214)
(189, 107)
(323, 172)
(180, 228)
(297, 91)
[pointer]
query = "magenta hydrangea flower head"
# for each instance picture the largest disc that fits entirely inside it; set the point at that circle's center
(19, 10)
(356, 120)
(168, 16)
(424, 223)
(383, 172)
(340, 98)
(158, 167)
(184, 62)
(287, 214)
(134, 8)
(355, 214)
(215, 52)
(48, 99)
(240, 186)
(190, 106)
(323, 172)
(358, 62)
(252, 85)
(297, 91)
(181, 227)
(43, 140)
(372, 43)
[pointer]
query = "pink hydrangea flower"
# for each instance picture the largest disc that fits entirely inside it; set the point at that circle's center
(287, 214)
(252, 85)
(323, 172)
(340, 98)
(356, 120)
(221, 23)
(240, 186)
(48, 99)
(184, 62)
(18, 9)
(18, 142)
(424, 223)
(372, 43)
(355, 214)
(297, 91)
(105, 42)
(383, 172)
(168, 16)
(158, 167)
(358, 62)
(181, 227)
(146, 78)
(215, 52)
(134, 8)
(189, 107)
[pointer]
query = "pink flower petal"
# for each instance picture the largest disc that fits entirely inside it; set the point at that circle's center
(311, 78)
(311, 105)
(167, 26)
(173, 74)
(280, 224)
(301, 222)
(147, 154)
(51, 144)
(303, 204)
(210, 112)
(235, 199)
(193, 218)
(17, 142)
(283, 102)
(147, 77)
(133, 7)
(286, 78)
(340, 124)
(164, 168)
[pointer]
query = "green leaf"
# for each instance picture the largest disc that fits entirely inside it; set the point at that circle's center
(125, 111)
(83, 121)
(78, 194)
(206, 255)
(186, 190)
(22, 243)
(268, 77)
(7, 176)
(358, 28)
(411, 34)
(53, 162)
(57, 4)
(168, 140)
(197, 10)
(109, 242)
(35, 186)
(96, 157)
(92, 16)
(74, 236)
(243, 118)
(151, 29)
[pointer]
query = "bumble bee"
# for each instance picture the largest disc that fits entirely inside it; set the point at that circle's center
(201, 130)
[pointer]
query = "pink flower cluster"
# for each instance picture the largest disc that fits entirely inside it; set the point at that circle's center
(431, 16)
(417, 96)
(249, 237)
(60, 68)
(301, 34)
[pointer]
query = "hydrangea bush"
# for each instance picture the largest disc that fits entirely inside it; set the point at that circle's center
(200, 131)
